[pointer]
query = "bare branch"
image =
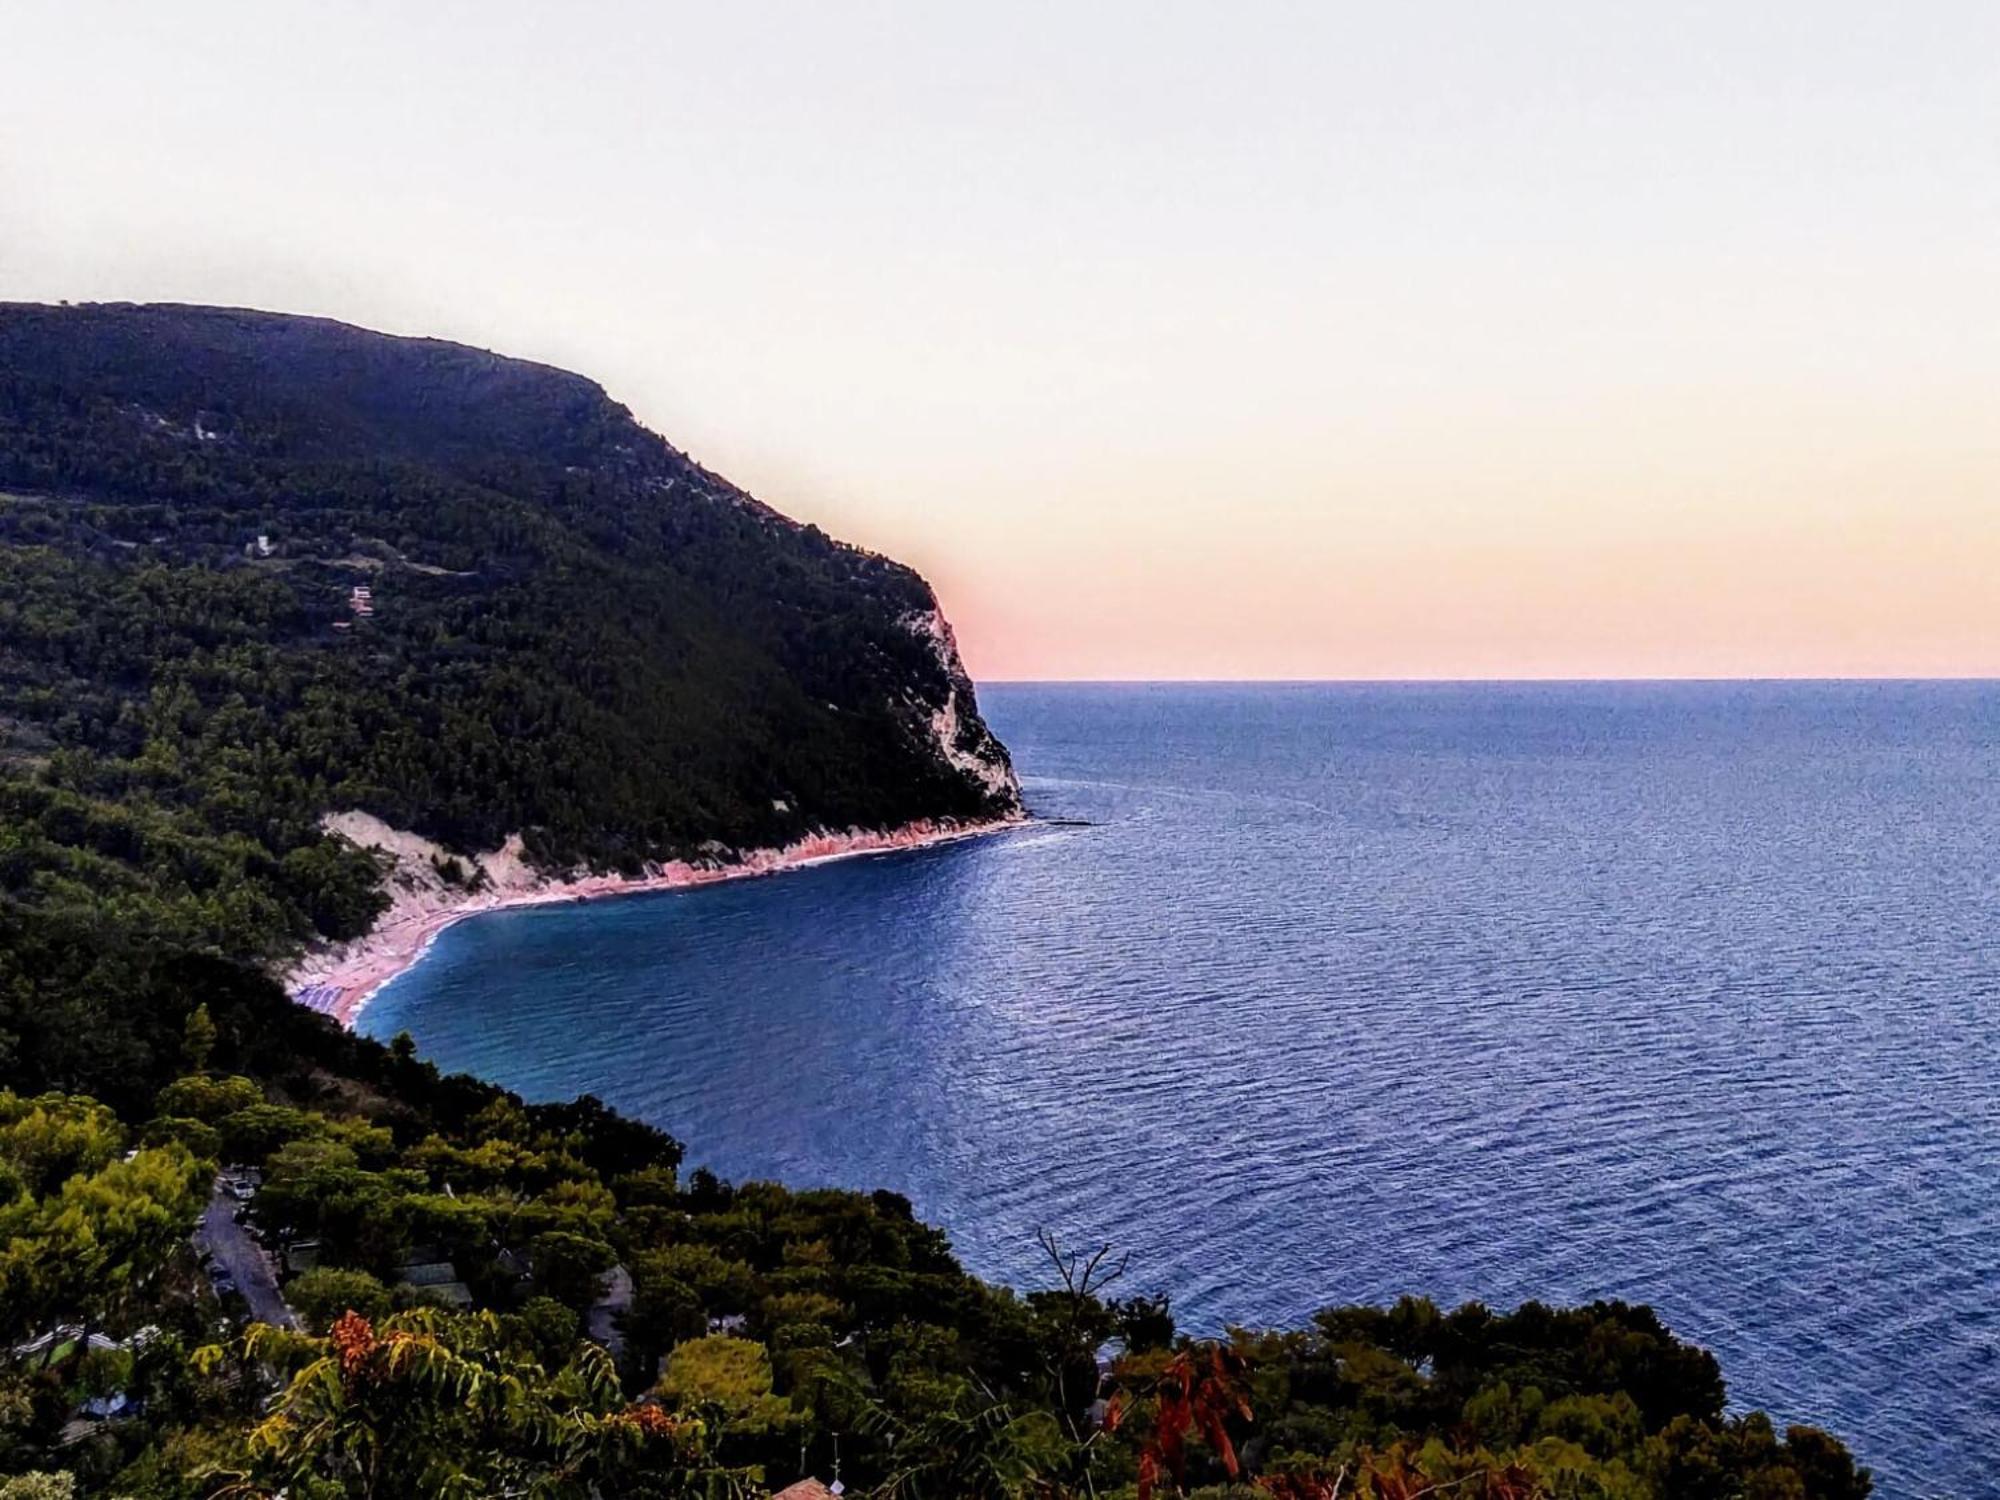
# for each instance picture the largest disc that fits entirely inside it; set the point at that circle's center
(1081, 1277)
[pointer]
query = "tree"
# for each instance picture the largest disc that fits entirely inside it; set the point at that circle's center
(571, 1267)
(1144, 1322)
(729, 1376)
(198, 1096)
(1199, 1392)
(48, 1140)
(322, 1294)
(39, 1485)
(665, 1311)
(86, 1231)
(197, 1040)
(1826, 1469)
(431, 1403)
(984, 1452)
(1075, 1322)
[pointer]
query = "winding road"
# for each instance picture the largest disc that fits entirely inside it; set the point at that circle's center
(243, 1258)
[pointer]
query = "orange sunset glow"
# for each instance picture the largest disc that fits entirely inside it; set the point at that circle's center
(1301, 342)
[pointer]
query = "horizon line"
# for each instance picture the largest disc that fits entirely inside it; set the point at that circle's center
(1693, 680)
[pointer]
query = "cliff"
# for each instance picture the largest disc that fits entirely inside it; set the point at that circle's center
(261, 568)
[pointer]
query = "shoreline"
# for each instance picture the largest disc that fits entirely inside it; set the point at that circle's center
(340, 981)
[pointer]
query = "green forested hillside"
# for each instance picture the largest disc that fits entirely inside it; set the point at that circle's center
(570, 632)
(434, 1288)
(575, 633)
(763, 1334)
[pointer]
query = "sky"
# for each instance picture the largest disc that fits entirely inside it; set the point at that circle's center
(1449, 339)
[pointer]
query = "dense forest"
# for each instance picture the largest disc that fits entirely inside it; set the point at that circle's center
(249, 1254)
(569, 630)
(255, 569)
(765, 1334)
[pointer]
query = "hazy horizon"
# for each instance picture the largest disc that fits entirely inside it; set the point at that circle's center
(1296, 343)
(1977, 679)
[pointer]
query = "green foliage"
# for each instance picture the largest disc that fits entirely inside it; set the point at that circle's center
(723, 1286)
(201, 1097)
(570, 1268)
(197, 1039)
(259, 1131)
(201, 1139)
(44, 1142)
(86, 1229)
(322, 1294)
(435, 1404)
(39, 1486)
(935, 1383)
(731, 1375)
(579, 636)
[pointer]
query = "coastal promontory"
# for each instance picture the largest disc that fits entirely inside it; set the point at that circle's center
(264, 573)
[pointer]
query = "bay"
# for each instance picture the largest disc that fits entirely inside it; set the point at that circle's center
(1680, 993)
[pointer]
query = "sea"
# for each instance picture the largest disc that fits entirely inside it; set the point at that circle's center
(1308, 994)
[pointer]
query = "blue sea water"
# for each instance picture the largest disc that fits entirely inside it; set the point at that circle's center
(1680, 993)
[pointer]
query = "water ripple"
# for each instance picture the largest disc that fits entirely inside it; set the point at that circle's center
(1675, 993)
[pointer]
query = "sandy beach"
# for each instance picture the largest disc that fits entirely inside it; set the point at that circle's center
(339, 980)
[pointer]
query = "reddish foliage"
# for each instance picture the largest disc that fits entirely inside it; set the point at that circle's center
(353, 1340)
(649, 1420)
(1198, 1391)
(1114, 1411)
(1404, 1483)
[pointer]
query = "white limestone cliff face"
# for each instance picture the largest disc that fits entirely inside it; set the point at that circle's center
(965, 744)
(414, 860)
(429, 887)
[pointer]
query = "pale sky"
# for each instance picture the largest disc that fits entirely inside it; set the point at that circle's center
(1474, 339)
